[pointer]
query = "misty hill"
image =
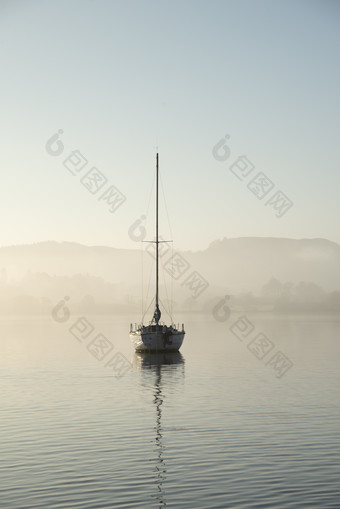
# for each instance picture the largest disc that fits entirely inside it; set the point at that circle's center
(248, 262)
(228, 265)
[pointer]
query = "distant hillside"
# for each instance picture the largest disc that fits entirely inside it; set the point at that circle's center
(248, 262)
(67, 259)
(243, 264)
(109, 275)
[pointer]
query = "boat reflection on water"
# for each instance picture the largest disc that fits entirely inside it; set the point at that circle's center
(157, 359)
(165, 368)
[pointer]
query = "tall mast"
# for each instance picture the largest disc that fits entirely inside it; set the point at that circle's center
(157, 242)
(157, 313)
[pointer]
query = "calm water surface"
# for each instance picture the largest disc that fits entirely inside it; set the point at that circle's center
(210, 427)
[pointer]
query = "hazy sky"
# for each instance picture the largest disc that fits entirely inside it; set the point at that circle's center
(121, 78)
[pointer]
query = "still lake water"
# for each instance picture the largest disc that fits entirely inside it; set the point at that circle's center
(211, 427)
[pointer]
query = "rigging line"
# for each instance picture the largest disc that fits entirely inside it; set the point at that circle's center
(149, 307)
(172, 279)
(172, 247)
(147, 294)
(165, 309)
(168, 310)
(166, 207)
(142, 249)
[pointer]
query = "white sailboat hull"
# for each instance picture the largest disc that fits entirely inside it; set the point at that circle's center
(157, 341)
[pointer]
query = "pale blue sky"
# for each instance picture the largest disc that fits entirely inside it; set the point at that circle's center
(122, 77)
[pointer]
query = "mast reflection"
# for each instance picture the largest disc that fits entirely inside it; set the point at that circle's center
(167, 368)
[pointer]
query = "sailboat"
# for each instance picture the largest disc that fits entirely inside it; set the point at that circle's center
(156, 336)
